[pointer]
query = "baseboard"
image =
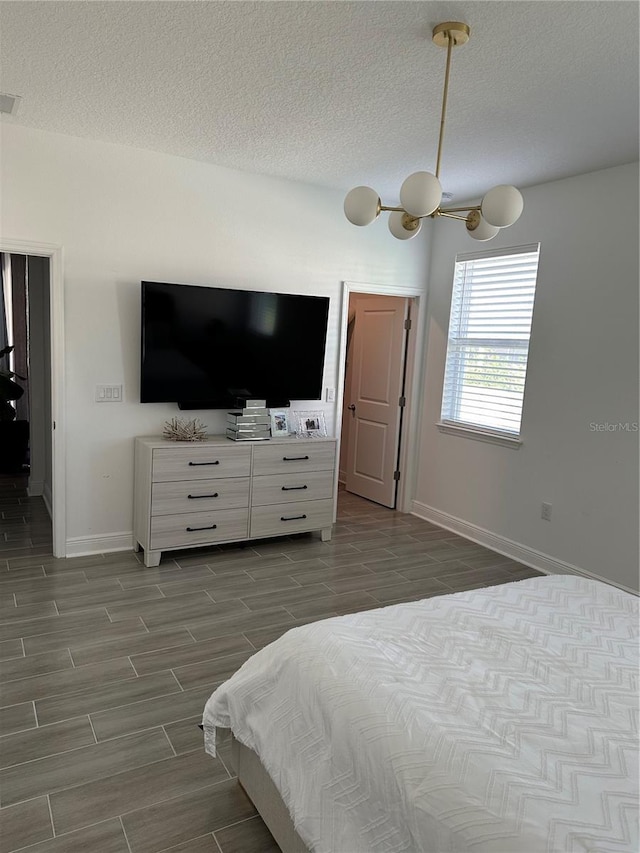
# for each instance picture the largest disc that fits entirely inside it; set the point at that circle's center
(48, 500)
(515, 550)
(35, 488)
(82, 546)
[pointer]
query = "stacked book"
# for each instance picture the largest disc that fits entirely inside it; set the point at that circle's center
(249, 424)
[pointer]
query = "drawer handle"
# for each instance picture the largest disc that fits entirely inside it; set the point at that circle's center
(294, 458)
(291, 517)
(192, 529)
(292, 488)
(197, 497)
(193, 464)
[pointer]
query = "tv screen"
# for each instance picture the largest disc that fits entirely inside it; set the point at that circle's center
(206, 347)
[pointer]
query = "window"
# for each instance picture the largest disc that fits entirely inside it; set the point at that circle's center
(489, 329)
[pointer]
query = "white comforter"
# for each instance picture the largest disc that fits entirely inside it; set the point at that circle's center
(502, 720)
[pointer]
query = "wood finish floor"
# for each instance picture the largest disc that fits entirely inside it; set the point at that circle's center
(106, 666)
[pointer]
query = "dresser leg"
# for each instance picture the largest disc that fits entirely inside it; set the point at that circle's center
(152, 558)
(325, 534)
(136, 545)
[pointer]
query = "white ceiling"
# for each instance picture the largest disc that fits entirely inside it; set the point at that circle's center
(336, 93)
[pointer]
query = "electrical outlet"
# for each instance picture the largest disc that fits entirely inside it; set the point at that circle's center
(545, 513)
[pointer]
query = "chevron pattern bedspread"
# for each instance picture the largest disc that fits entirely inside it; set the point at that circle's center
(501, 720)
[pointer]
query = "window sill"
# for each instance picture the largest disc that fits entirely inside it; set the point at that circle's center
(479, 435)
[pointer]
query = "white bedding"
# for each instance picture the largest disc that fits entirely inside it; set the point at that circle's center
(501, 720)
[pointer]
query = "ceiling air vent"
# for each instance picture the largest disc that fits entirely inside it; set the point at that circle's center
(9, 103)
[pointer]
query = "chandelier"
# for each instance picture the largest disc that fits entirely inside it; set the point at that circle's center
(421, 193)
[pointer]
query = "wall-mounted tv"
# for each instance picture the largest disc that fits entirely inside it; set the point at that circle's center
(207, 347)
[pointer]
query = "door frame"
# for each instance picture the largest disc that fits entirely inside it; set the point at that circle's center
(409, 435)
(54, 253)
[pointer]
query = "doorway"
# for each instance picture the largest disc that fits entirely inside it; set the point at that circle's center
(378, 384)
(25, 368)
(31, 372)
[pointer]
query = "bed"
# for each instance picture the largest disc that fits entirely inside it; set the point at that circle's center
(499, 720)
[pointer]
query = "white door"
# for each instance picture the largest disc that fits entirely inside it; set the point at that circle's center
(376, 386)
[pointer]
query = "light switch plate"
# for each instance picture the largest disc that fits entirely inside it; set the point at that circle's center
(108, 393)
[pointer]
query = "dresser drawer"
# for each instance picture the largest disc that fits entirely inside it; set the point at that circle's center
(289, 488)
(294, 457)
(284, 518)
(199, 495)
(198, 528)
(200, 463)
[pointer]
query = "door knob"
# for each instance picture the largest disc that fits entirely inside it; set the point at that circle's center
(351, 407)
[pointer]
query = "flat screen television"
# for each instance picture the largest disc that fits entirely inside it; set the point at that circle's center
(209, 347)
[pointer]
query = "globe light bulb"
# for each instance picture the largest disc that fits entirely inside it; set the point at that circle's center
(420, 194)
(397, 223)
(479, 228)
(502, 206)
(362, 205)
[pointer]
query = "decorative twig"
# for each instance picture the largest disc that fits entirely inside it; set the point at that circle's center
(183, 429)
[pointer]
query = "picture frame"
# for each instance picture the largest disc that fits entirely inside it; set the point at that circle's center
(279, 423)
(310, 424)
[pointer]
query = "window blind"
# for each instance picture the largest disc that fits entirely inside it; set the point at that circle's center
(488, 344)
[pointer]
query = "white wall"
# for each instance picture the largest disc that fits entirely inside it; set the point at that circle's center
(123, 215)
(583, 370)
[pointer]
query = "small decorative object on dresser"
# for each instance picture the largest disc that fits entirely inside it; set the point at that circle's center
(249, 424)
(184, 429)
(279, 423)
(310, 424)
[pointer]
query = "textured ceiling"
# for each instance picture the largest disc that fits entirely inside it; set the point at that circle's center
(336, 93)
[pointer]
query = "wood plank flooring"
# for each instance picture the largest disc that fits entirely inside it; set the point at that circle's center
(105, 667)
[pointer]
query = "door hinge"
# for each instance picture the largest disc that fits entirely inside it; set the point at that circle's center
(54, 424)
(402, 401)
(407, 323)
(396, 475)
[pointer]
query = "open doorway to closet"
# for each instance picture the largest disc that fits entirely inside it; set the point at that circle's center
(31, 385)
(378, 383)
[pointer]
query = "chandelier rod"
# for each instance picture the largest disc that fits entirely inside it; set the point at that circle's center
(445, 94)
(446, 213)
(467, 208)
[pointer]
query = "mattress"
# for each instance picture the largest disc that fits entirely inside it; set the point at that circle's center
(500, 720)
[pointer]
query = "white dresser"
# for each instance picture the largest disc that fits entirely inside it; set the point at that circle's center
(189, 495)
